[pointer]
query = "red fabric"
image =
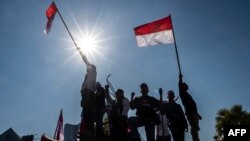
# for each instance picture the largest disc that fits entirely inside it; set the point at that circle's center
(59, 128)
(46, 138)
(50, 13)
(155, 26)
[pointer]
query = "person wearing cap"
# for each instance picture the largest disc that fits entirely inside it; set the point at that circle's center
(99, 108)
(118, 115)
(177, 121)
(190, 107)
(145, 106)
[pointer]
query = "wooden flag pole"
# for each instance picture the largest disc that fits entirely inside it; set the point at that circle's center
(77, 48)
(176, 51)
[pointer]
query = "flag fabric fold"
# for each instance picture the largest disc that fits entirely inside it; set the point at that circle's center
(59, 128)
(156, 32)
(50, 13)
(46, 138)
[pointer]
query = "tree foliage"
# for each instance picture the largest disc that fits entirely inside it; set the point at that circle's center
(233, 116)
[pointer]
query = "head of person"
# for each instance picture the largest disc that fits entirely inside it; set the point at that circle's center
(119, 94)
(171, 95)
(184, 86)
(98, 85)
(144, 89)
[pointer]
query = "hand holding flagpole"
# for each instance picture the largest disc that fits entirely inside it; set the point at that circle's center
(50, 13)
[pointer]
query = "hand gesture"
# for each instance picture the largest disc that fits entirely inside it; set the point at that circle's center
(106, 87)
(132, 95)
(160, 92)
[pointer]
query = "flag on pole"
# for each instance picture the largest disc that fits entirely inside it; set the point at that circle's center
(46, 138)
(50, 13)
(156, 32)
(59, 128)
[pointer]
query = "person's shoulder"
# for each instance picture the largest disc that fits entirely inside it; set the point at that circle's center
(153, 98)
(125, 99)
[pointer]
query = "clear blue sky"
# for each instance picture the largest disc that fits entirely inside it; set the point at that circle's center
(39, 74)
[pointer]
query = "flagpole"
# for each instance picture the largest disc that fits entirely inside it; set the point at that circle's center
(77, 48)
(176, 51)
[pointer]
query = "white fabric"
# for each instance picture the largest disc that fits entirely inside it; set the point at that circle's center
(162, 37)
(126, 106)
(165, 126)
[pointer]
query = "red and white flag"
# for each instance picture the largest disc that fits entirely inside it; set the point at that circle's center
(156, 32)
(50, 13)
(59, 128)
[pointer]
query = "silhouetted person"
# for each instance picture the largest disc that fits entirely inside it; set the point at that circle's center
(100, 108)
(118, 115)
(190, 109)
(145, 106)
(87, 102)
(176, 117)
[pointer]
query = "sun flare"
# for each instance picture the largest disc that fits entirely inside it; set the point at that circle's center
(88, 44)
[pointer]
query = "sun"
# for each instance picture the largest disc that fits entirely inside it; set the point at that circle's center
(88, 44)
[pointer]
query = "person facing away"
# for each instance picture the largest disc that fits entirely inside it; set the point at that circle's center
(176, 117)
(100, 108)
(190, 107)
(118, 115)
(146, 116)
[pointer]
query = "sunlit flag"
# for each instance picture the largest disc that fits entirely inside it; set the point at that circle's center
(59, 128)
(156, 32)
(50, 13)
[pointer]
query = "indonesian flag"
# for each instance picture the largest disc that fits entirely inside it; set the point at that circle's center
(156, 32)
(59, 129)
(50, 13)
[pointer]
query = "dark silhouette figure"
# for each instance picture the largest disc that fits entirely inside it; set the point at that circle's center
(87, 102)
(145, 106)
(100, 108)
(176, 117)
(190, 109)
(118, 115)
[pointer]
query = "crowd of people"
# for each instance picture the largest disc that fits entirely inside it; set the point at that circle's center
(162, 120)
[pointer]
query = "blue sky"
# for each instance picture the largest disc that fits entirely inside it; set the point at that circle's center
(40, 74)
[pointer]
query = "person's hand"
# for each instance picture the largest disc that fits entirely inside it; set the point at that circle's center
(160, 91)
(106, 87)
(132, 95)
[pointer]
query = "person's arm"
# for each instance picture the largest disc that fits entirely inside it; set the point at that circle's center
(183, 117)
(107, 95)
(133, 101)
(84, 58)
(180, 78)
(156, 103)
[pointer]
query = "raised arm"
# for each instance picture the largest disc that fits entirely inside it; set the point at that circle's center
(107, 95)
(132, 102)
(84, 58)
